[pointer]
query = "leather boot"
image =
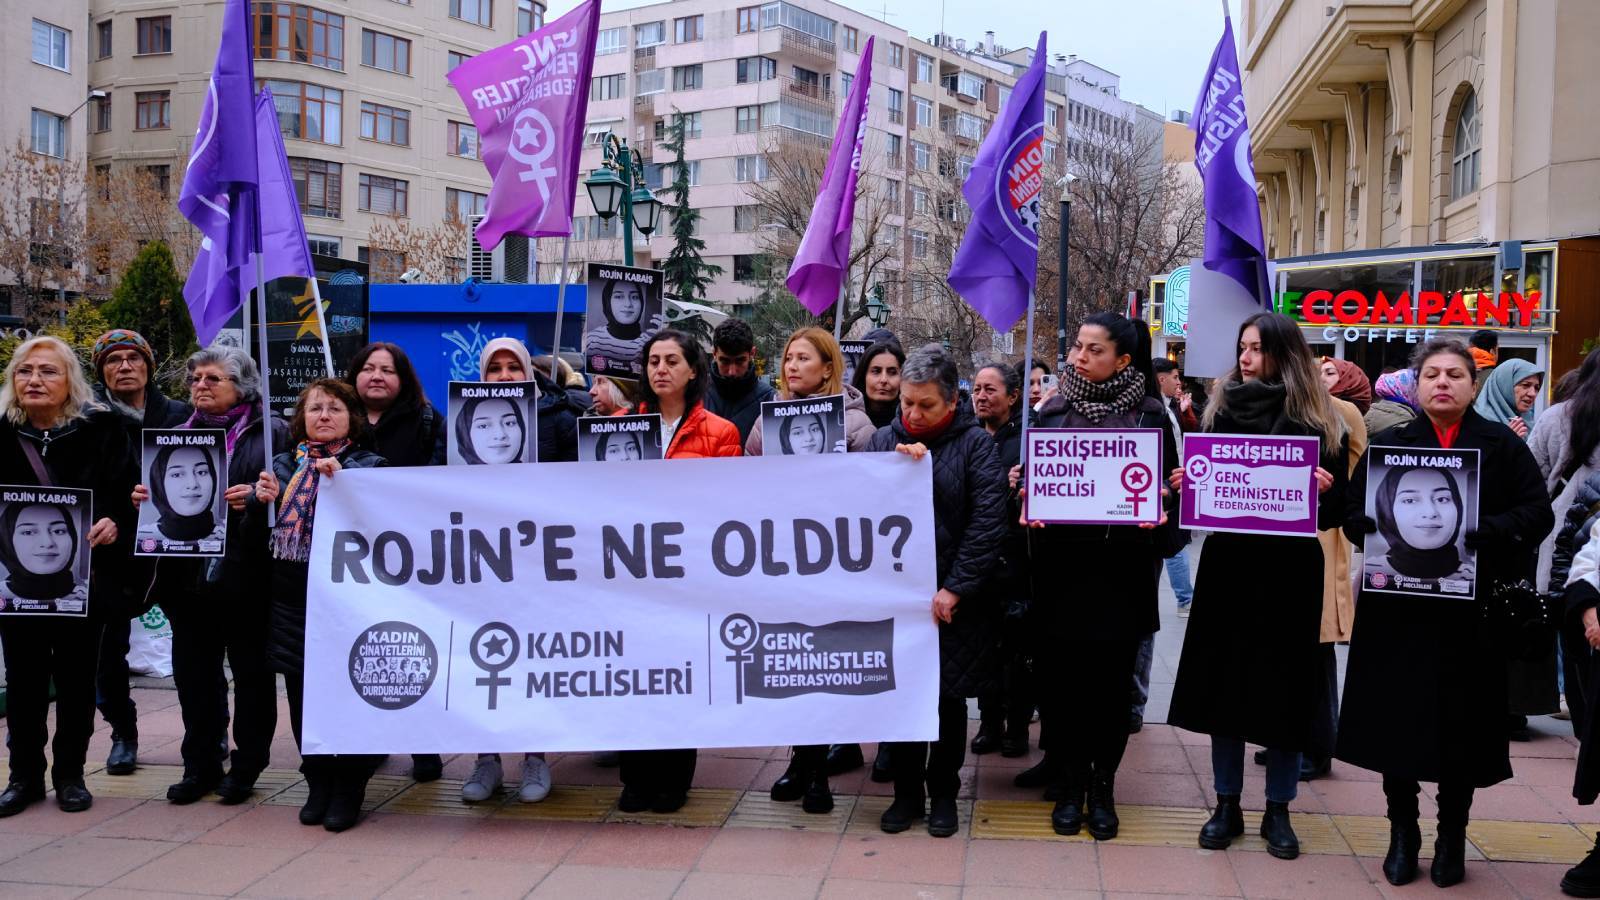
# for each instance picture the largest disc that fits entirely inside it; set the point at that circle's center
(1405, 841)
(987, 740)
(792, 784)
(844, 758)
(1014, 743)
(1103, 821)
(1042, 774)
(124, 756)
(1583, 879)
(1225, 824)
(881, 771)
(818, 798)
(1449, 857)
(1067, 817)
(1278, 833)
(943, 819)
(344, 809)
(319, 793)
(906, 809)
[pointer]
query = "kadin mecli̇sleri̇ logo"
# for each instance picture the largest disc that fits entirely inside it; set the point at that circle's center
(392, 664)
(1019, 185)
(787, 659)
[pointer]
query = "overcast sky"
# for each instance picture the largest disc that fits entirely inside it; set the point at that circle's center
(1159, 47)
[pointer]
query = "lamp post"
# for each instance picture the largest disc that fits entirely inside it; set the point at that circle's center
(619, 184)
(1065, 183)
(877, 307)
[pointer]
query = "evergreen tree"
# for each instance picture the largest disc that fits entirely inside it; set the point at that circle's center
(149, 300)
(687, 275)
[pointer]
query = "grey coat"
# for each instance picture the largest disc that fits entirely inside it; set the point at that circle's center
(1551, 441)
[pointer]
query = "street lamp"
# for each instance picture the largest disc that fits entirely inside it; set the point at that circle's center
(1065, 183)
(877, 307)
(618, 185)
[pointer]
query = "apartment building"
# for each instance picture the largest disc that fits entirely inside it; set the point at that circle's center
(371, 126)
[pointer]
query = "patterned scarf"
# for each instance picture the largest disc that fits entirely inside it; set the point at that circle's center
(291, 537)
(1121, 393)
(234, 422)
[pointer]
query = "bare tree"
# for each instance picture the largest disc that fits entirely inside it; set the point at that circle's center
(397, 244)
(129, 207)
(41, 231)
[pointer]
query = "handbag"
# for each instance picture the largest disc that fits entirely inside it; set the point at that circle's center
(1521, 619)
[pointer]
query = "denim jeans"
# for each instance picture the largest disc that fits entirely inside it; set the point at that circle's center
(1227, 767)
(1178, 575)
(1141, 673)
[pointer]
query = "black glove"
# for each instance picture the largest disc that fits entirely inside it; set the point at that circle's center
(1477, 539)
(1363, 525)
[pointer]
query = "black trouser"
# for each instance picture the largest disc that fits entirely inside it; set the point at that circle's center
(112, 695)
(340, 769)
(1088, 685)
(937, 765)
(1325, 708)
(1009, 704)
(38, 650)
(204, 631)
(1455, 802)
(654, 772)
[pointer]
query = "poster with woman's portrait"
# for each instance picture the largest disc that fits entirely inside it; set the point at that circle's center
(624, 311)
(852, 352)
(619, 438)
(186, 472)
(1424, 501)
(803, 427)
(44, 550)
(491, 423)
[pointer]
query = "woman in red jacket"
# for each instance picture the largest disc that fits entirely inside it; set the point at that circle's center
(675, 378)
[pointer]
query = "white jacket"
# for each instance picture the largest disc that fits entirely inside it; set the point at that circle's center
(1586, 562)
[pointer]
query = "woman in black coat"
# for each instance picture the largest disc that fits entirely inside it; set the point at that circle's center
(1095, 624)
(52, 434)
(969, 522)
(326, 431)
(1425, 684)
(1251, 663)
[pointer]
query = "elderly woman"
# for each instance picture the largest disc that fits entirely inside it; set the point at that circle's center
(218, 610)
(1395, 403)
(1509, 394)
(969, 521)
(324, 438)
(1425, 690)
(609, 398)
(52, 434)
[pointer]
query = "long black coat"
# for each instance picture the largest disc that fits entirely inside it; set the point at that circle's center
(1252, 653)
(410, 436)
(160, 411)
(286, 633)
(969, 511)
(738, 400)
(558, 421)
(1425, 686)
(1114, 583)
(1583, 692)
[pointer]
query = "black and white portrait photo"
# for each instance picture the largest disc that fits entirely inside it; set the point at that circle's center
(619, 438)
(44, 551)
(1424, 502)
(624, 310)
(804, 427)
(852, 351)
(491, 423)
(185, 471)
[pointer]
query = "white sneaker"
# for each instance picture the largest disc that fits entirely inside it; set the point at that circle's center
(535, 779)
(1183, 611)
(487, 777)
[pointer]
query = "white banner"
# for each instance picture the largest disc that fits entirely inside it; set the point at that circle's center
(671, 603)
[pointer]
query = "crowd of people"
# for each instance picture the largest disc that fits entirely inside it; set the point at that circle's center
(1052, 620)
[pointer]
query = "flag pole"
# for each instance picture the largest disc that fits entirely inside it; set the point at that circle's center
(1027, 405)
(322, 327)
(561, 303)
(1225, 14)
(266, 373)
(838, 307)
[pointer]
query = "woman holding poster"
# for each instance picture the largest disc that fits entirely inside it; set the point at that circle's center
(1093, 642)
(52, 434)
(1425, 687)
(674, 386)
(1250, 663)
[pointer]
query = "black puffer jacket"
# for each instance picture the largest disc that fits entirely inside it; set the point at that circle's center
(738, 400)
(1581, 516)
(969, 511)
(558, 421)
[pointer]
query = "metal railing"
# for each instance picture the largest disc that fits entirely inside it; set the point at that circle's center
(797, 41)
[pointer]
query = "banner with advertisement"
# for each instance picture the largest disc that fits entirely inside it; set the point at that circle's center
(1093, 476)
(711, 603)
(1250, 484)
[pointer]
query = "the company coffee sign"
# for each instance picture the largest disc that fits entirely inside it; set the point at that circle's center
(1375, 315)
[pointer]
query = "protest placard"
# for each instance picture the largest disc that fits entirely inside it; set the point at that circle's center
(44, 550)
(803, 427)
(619, 438)
(624, 310)
(1093, 476)
(1424, 502)
(492, 423)
(852, 352)
(186, 472)
(1250, 484)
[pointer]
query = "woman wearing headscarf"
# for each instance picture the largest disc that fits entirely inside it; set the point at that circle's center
(491, 431)
(877, 378)
(52, 434)
(609, 398)
(619, 340)
(1396, 402)
(184, 491)
(1252, 654)
(1509, 395)
(217, 607)
(1425, 684)
(325, 437)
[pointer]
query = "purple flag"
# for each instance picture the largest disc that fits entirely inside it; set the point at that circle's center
(284, 249)
(823, 260)
(998, 262)
(219, 185)
(528, 99)
(1234, 243)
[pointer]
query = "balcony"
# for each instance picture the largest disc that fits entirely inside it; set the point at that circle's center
(807, 45)
(806, 90)
(644, 57)
(897, 116)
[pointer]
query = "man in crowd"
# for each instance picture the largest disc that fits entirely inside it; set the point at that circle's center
(735, 393)
(1485, 351)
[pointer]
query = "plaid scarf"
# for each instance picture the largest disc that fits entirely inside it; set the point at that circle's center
(1121, 393)
(291, 537)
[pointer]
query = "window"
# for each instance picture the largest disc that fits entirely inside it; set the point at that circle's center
(1050, 113)
(921, 158)
(317, 185)
(650, 81)
(919, 201)
(1005, 97)
(649, 34)
(846, 79)
(749, 168)
(611, 40)
(607, 87)
(891, 234)
(385, 265)
(102, 33)
(51, 45)
(530, 17)
(1465, 151)
(384, 196)
(964, 164)
(924, 68)
(385, 124)
(891, 187)
(897, 56)
(687, 78)
(852, 40)
(102, 114)
(309, 112)
(746, 267)
(919, 244)
(691, 125)
(689, 29)
(461, 204)
(749, 19)
(897, 106)
(789, 16)
(293, 33)
(750, 69)
(155, 35)
(463, 140)
(478, 12)
(49, 134)
(966, 125)
(453, 58)
(153, 110)
(747, 119)
(1051, 148)
(747, 218)
(323, 244)
(891, 149)
(969, 85)
(924, 110)
(160, 178)
(385, 51)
